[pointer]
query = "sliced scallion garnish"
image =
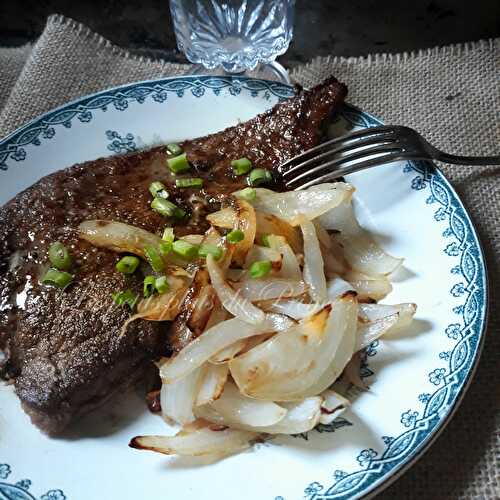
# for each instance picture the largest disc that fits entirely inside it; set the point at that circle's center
(168, 234)
(158, 189)
(61, 279)
(164, 207)
(174, 149)
(241, 166)
(178, 164)
(127, 264)
(154, 258)
(235, 236)
(161, 284)
(214, 250)
(189, 182)
(185, 249)
(260, 268)
(248, 194)
(265, 240)
(165, 247)
(127, 297)
(59, 256)
(259, 176)
(149, 286)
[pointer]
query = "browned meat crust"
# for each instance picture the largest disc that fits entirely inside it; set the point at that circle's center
(63, 348)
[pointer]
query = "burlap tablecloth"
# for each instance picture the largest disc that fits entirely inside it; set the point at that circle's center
(450, 94)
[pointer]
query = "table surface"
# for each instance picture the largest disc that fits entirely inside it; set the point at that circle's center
(323, 27)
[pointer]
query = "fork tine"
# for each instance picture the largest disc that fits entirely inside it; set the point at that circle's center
(381, 131)
(380, 160)
(334, 165)
(341, 148)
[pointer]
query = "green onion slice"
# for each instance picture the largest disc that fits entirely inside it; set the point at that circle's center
(149, 286)
(259, 176)
(61, 279)
(179, 213)
(189, 182)
(185, 249)
(158, 189)
(154, 258)
(127, 264)
(248, 194)
(241, 166)
(174, 149)
(260, 268)
(235, 236)
(164, 207)
(213, 250)
(59, 256)
(165, 247)
(161, 284)
(127, 297)
(265, 240)
(168, 234)
(178, 164)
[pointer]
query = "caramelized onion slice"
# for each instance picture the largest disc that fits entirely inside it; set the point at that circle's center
(314, 269)
(310, 202)
(213, 379)
(230, 299)
(198, 442)
(178, 398)
(270, 224)
(269, 288)
(360, 249)
(233, 407)
(285, 366)
(214, 340)
(301, 416)
(334, 404)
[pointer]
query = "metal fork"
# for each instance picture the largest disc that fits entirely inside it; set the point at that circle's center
(364, 149)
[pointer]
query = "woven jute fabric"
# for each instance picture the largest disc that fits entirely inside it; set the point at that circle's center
(450, 94)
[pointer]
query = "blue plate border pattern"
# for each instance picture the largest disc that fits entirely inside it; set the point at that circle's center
(447, 382)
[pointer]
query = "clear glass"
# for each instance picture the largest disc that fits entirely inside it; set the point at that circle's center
(234, 35)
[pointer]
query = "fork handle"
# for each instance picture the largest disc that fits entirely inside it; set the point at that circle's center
(466, 160)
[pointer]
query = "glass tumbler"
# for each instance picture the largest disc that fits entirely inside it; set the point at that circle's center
(234, 36)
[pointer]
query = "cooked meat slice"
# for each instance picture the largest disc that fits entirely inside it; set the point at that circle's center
(64, 348)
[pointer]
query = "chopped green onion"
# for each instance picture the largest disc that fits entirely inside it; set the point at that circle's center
(178, 164)
(165, 247)
(189, 182)
(59, 256)
(174, 149)
(215, 251)
(158, 189)
(154, 258)
(248, 194)
(164, 207)
(126, 297)
(185, 249)
(168, 234)
(161, 284)
(260, 268)
(259, 176)
(265, 240)
(179, 213)
(241, 166)
(61, 279)
(127, 264)
(149, 286)
(235, 236)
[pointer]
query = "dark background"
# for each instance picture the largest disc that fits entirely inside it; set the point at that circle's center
(339, 27)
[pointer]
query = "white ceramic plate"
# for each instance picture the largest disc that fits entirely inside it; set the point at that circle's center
(417, 379)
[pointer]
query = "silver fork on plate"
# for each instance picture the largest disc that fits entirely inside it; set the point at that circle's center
(364, 149)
